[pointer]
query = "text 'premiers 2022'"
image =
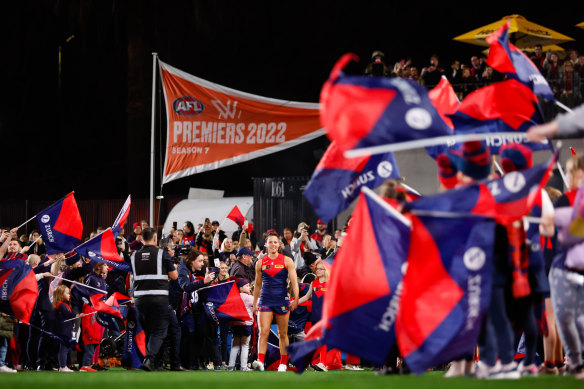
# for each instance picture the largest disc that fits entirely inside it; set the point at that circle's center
(187, 133)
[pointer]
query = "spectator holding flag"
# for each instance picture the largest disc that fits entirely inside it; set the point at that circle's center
(64, 326)
(316, 293)
(241, 329)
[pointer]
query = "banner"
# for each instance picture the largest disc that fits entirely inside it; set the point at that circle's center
(211, 126)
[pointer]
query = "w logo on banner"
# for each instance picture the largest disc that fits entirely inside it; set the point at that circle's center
(446, 289)
(61, 225)
(102, 248)
(118, 225)
(18, 286)
(509, 60)
(359, 111)
(337, 180)
(222, 302)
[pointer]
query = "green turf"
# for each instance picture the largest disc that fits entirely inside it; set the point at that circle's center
(119, 378)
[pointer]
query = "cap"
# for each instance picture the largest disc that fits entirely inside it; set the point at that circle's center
(319, 221)
(473, 159)
(244, 251)
(309, 258)
(241, 282)
(137, 224)
(446, 171)
(515, 156)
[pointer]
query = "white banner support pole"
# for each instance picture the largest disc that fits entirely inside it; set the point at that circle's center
(152, 125)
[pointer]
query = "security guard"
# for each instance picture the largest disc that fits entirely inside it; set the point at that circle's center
(152, 268)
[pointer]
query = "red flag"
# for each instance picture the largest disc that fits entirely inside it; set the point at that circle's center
(444, 99)
(19, 287)
(238, 218)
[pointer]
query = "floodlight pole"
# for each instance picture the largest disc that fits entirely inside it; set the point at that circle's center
(152, 125)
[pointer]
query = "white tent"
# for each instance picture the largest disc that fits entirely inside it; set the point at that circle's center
(196, 210)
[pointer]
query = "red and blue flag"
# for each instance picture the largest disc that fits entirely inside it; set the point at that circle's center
(61, 225)
(506, 58)
(506, 106)
(361, 111)
(222, 302)
(108, 309)
(102, 248)
(361, 302)
(134, 341)
(337, 180)
(239, 219)
(18, 286)
(506, 199)
(118, 225)
(446, 289)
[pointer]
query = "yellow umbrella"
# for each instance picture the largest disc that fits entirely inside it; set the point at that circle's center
(555, 48)
(581, 25)
(524, 34)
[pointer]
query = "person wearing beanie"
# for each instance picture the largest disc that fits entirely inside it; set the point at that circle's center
(447, 172)
(306, 273)
(515, 156)
(473, 162)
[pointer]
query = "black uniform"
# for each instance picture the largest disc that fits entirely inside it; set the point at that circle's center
(151, 266)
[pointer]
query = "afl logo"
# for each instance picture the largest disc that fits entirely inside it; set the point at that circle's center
(91, 254)
(474, 258)
(209, 304)
(45, 218)
(187, 106)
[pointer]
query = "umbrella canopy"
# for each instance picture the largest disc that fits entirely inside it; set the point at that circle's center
(524, 34)
(555, 48)
(581, 25)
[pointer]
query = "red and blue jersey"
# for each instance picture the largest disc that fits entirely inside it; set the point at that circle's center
(274, 285)
(318, 291)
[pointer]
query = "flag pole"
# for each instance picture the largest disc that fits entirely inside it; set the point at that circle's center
(23, 224)
(562, 106)
(439, 140)
(81, 284)
(152, 120)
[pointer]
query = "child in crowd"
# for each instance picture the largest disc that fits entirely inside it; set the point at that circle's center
(64, 326)
(242, 329)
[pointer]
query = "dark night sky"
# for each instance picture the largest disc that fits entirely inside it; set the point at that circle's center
(89, 129)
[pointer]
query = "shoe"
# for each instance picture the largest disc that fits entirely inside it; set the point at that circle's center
(220, 368)
(230, 368)
(529, 370)
(548, 370)
(65, 370)
(98, 367)
(509, 371)
(456, 369)
(258, 366)
(6, 369)
(89, 368)
(484, 371)
(178, 368)
(282, 368)
(246, 369)
(353, 368)
(320, 367)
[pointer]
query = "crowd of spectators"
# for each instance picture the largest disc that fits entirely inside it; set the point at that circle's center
(564, 72)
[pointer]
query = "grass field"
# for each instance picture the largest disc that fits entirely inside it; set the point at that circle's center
(115, 378)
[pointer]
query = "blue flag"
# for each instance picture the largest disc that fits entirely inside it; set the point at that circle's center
(446, 289)
(222, 302)
(61, 225)
(337, 180)
(102, 248)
